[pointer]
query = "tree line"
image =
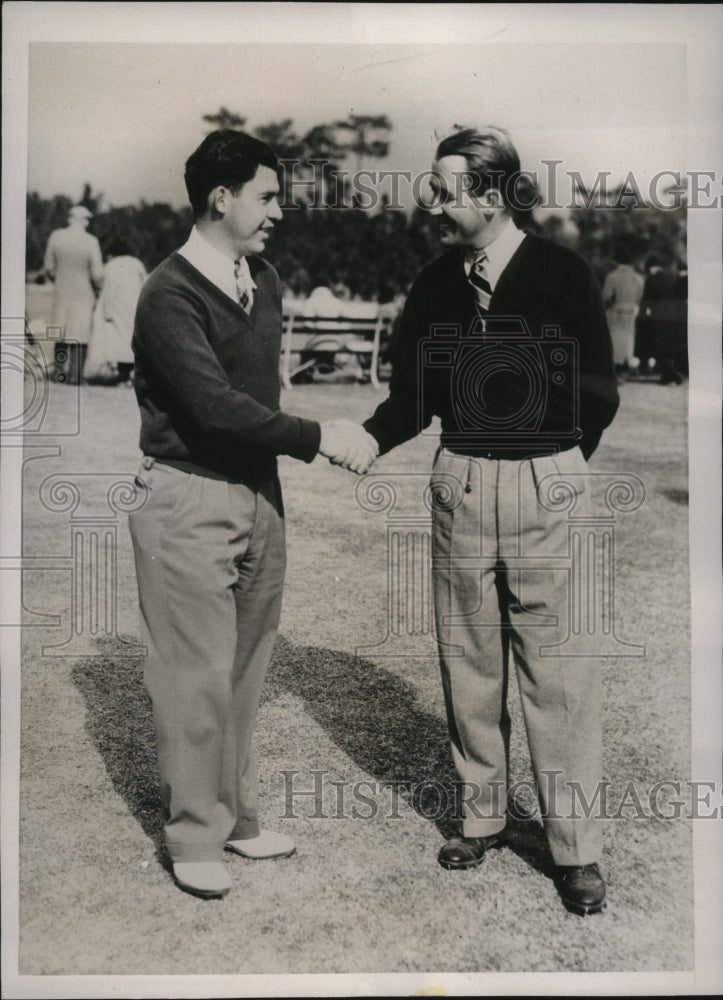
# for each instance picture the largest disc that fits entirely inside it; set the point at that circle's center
(375, 254)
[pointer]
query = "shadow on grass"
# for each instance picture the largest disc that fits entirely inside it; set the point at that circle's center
(369, 713)
(120, 724)
(677, 496)
(374, 718)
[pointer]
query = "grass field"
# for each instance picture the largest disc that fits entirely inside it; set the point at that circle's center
(364, 893)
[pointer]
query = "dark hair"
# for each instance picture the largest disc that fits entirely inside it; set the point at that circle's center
(224, 157)
(623, 253)
(493, 164)
(118, 247)
(661, 258)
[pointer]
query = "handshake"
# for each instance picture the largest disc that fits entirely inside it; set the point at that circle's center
(347, 444)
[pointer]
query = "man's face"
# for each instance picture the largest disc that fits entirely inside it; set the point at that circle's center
(461, 214)
(250, 214)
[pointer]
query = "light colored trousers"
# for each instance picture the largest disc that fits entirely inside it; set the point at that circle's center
(621, 321)
(210, 562)
(501, 572)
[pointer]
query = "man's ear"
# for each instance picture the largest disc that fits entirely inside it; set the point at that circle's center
(492, 203)
(492, 199)
(218, 202)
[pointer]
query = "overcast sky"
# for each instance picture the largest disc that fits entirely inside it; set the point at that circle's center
(125, 116)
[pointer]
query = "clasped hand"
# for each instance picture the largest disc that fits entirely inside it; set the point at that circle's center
(347, 444)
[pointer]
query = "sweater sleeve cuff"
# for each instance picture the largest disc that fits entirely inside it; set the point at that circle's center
(589, 443)
(307, 444)
(385, 442)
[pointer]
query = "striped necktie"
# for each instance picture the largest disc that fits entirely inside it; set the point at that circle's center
(479, 281)
(242, 289)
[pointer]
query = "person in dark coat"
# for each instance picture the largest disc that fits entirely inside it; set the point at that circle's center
(664, 317)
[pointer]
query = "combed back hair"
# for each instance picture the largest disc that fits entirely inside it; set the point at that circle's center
(491, 157)
(227, 158)
(493, 163)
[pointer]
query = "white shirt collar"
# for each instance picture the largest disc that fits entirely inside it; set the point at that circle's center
(499, 253)
(214, 265)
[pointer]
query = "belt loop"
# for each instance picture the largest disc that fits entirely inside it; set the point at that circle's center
(538, 471)
(534, 473)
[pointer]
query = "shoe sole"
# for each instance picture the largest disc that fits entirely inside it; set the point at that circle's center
(193, 890)
(584, 911)
(453, 866)
(260, 857)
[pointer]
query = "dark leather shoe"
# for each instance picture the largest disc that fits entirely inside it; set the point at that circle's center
(467, 852)
(581, 888)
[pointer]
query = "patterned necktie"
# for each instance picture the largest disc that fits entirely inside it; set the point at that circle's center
(479, 281)
(242, 289)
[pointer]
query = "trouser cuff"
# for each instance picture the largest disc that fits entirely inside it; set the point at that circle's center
(565, 853)
(190, 853)
(482, 827)
(246, 830)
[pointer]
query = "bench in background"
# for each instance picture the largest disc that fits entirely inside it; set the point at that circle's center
(321, 343)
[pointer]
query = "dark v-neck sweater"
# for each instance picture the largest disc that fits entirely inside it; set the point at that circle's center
(207, 376)
(538, 379)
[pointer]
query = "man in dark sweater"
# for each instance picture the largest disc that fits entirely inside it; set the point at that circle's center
(505, 339)
(209, 536)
